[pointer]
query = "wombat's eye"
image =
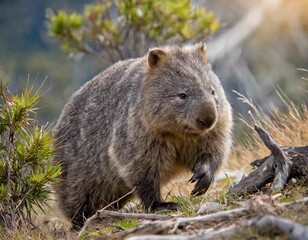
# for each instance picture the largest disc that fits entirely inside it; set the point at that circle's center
(213, 92)
(182, 95)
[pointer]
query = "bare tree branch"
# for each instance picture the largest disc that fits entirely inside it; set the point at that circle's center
(96, 215)
(292, 229)
(135, 215)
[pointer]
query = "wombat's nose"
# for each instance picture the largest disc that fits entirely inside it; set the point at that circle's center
(206, 118)
(205, 123)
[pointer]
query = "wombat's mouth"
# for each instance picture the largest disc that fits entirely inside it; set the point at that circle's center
(191, 130)
(196, 131)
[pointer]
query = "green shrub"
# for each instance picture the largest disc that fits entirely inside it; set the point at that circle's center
(26, 149)
(126, 28)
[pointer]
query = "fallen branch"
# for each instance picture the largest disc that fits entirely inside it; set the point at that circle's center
(160, 229)
(292, 229)
(299, 201)
(283, 164)
(97, 214)
(170, 226)
(214, 217)
(161, 237)
(222, 233)
(135, 215)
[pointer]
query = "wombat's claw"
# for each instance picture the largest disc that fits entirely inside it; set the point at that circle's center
(197, 175)
(202, 184)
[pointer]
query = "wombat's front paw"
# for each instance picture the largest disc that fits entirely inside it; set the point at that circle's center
(203, 178)
(161, 206)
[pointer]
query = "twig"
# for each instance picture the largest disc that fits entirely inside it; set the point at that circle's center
(135, 215)
(299, 201)
(223, 233)
(219, 216)
(96, 215)
(227, 232)
(302, 69)
(170, 226)
(162, 237)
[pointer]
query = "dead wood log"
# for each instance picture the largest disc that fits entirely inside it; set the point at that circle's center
(283, 163)
(292, 229)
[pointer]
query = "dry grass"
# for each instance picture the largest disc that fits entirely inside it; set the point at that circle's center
(288, 126)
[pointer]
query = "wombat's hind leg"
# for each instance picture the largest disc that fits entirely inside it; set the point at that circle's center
(77, 222)
(86, 210)
(79, 219)
(161, 206)
(149, 192)
(121, 203)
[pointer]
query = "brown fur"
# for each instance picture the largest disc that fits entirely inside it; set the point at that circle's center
(137, 123)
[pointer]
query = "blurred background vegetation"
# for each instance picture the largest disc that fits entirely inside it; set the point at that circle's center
(255, 46)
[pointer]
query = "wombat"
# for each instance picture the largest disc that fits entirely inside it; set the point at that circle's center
(137, 125)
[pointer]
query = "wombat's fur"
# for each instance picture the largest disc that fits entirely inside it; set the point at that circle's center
(139, 123)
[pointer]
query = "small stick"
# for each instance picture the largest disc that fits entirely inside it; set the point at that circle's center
(219, 216)
(161, 237)
(96, 215)
(135, 215)
(227, 232)
(298, 201)
(302, 69)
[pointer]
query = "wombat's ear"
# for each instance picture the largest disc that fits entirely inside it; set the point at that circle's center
(202, 51)
(155, 56)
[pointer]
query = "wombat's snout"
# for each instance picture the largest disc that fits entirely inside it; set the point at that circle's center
(206, 117)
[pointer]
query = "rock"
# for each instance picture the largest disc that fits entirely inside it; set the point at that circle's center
(209, 207)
